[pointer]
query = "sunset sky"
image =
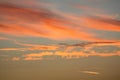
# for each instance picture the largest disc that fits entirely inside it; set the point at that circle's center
(59, 39)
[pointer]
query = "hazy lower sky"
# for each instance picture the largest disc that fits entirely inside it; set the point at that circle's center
(59, 40)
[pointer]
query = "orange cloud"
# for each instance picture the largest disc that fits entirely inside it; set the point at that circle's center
(9, 49)
(68, 32)
(40, 23)
(19, 30)
(101, 23)
(32, 48)
(67, 55)
(35, 56)
(75, 54)
(25, 21)
(70, 53)
(15, 58)
(64, 47)
(3, 38)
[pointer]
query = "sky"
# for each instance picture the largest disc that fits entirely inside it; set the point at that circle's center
(59, 40)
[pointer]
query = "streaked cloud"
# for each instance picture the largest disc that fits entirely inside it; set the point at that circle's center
(64, 46)
(87, 8)
(30, 22)
(67, 52)
(50, 24)
(22, 20)
(38, 56)
(40, 47)
(65, 55)
(73, 39)
(90, 72)
(3, 38)
(100, 23)
(15, 58)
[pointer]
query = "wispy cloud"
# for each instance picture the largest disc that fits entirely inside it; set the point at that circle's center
(70, 54)
(67, 51)
(90, 72)
(64, 46)
(65, 55)
(38, 23)
(87, 8)
(42, 22)
(15, 58)
(102, 23)
(20, 19)
(55, 50)
(3, 38)
(87, 46)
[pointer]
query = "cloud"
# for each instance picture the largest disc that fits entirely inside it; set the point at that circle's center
(50, 51)
(31, 47)
(90, 72)
(65, 55)
(75, 54)
(3, 38)
(15, 58)
(101, 23)
(25, 46)
(58, 47)
(88, 8)
(87, 46)
(55, 50)
(38, 56)
(20, 19)
(66, 51)
(84, 44)
(42, 22)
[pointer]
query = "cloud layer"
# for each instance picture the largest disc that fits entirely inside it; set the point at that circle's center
(46, 23)
(21, 19)
(66, 51)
